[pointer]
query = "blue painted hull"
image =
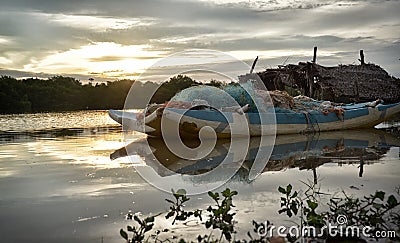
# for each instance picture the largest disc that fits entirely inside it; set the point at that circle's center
(283, 122)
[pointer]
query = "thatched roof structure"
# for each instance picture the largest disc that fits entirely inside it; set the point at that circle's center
(342, 83)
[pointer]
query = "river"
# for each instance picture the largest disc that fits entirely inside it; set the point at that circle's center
(64, 179)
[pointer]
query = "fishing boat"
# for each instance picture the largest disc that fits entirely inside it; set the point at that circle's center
(191, 121)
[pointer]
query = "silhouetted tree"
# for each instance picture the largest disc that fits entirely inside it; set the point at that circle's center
(65, 93)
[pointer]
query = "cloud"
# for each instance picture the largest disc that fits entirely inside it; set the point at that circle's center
(25, 74)
(36, 35)
(96, 23)
(97, 57)
(118, 58)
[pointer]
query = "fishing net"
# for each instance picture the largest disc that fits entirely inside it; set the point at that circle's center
(282, 102)
(205, 95)
(222, 97)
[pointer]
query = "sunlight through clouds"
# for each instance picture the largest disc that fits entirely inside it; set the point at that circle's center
(5, 61)
(98, 23)
(4, 40)
(99, 57)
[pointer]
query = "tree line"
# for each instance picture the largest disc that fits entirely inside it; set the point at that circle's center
(60, 93)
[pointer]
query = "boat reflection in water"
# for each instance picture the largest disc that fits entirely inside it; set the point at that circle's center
(361, 147)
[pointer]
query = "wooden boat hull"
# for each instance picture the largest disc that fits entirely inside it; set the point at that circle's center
(259, 124)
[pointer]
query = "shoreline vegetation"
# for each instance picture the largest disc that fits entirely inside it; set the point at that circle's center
(57, 94)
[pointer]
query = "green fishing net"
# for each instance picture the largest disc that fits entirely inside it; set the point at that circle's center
(226, 96)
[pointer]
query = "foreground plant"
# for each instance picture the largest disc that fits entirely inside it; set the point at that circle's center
(176, 208)
(138, 231)
(375, 211)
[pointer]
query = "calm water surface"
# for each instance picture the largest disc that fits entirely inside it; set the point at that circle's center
(65, 178)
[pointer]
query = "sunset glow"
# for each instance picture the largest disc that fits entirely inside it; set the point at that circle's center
(114, 41)
(104, 59)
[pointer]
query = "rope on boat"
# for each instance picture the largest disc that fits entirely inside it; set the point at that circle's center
(310, 127)
(310, 124)
(316, 121)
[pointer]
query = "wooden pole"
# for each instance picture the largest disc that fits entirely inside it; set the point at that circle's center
(314, 60)
(254, 65)
(362, 57)
(314, 170)
(361, 172)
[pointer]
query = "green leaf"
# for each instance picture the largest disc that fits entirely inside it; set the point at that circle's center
(149, 219)
(137, 219)
(282, 190)
(380, 195)
(294, 208)
(377, 205)
(392, 201)
(148, 227)
(123, 234)
(181, 192)
(294, 194)
(131, 229)
(170, 201)
(226, 192)
(289, 189)
(312, 205)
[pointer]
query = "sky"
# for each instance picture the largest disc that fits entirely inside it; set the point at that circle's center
(108, 40)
